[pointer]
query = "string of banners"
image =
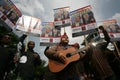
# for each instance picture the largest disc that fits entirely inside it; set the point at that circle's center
(81, 21)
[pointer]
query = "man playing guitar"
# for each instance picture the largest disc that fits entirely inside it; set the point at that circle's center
(64, 62)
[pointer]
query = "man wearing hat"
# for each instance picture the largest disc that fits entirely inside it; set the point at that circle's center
(60, 65)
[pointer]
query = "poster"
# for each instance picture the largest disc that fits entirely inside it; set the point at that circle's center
(50, 34)
(62, 17)
(82, 21)
(9, 13)
(113, 29)
(30, 25)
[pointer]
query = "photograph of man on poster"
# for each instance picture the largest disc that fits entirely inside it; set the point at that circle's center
(88, 17)
(114, 28)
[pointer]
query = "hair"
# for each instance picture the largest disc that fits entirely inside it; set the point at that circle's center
(2, 35)
(30, 42)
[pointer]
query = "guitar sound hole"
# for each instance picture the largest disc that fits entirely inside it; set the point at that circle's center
(68, 55)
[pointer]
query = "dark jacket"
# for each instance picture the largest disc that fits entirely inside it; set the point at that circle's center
(6, 59)
(27, 69)
(73, 69)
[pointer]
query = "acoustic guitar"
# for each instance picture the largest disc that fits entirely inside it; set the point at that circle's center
(71, 55)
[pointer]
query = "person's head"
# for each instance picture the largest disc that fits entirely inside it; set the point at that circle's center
(54, 30)
(5, 39)
(31, 45)
(59, 15)
(6, 7)
(48, 30)
(101, 27)
(64, 39)
(77, 18)
(66, 13)
(86, 16)
(13, 15)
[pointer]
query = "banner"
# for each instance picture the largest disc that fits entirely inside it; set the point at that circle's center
(62, 17)
(50, 34)
(9, 13)
(113, 29)
(30, 25)
(82, 21)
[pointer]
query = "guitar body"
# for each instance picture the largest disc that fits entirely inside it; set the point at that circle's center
(55, 66)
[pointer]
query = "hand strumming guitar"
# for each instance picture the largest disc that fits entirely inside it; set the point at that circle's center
(61, 58)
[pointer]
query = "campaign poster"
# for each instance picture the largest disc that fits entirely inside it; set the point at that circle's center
(113, 29)
(29, 25)
(9, 13)
(62, 16)
(82, 21)
(50, 34)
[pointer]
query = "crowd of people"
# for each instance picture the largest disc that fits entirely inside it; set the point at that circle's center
(18, 61)
(91, 63)
(65, 61)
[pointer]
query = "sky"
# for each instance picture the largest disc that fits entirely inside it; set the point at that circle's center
(43, 9)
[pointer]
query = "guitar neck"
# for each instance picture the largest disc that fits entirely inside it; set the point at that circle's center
(79, 50)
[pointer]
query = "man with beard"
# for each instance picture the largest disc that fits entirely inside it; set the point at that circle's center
(63, 65)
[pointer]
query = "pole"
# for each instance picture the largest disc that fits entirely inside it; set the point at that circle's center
(116, 48)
